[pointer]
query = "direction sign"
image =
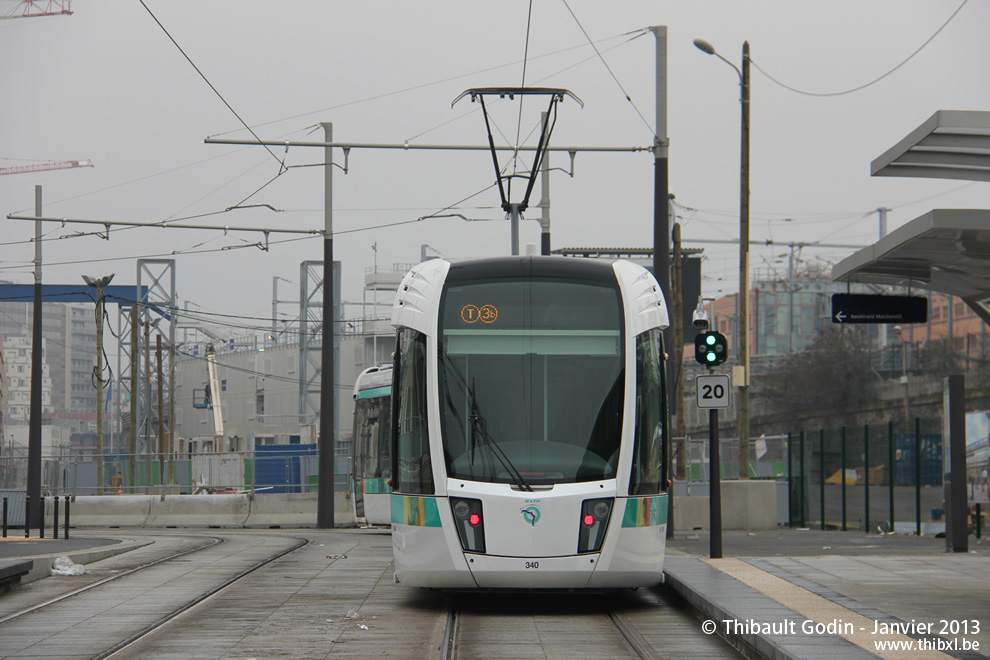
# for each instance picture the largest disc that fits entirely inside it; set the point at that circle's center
(713, 391)
(868, 308)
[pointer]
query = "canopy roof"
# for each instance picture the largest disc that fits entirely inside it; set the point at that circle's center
(951, 144)
(945, 250)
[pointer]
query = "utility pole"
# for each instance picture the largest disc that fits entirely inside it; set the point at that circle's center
(325, 495)
(34, 423)
(744, 269)
(882, 216)
(98, 283)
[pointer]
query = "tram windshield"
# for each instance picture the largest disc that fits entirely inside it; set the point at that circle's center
(531, 380)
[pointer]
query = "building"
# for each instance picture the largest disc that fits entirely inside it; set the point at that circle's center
(264, 397)
(69, 332)
(17, 377)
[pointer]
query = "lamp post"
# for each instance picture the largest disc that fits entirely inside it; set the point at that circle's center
(743, 382)
(98, 284)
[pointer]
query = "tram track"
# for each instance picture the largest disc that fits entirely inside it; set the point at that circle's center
(111, 616)
(112, 578)
(157, 626)
(644, 624)
(626, 640)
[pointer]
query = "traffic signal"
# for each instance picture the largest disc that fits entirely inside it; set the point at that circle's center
(710, 348)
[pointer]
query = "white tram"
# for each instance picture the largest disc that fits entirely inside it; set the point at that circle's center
(371, 462)
(529, 426)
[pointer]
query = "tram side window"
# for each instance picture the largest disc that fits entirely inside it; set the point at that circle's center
(414, 470)
(648, 445)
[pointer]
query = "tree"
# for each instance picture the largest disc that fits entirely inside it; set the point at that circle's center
(828, 380)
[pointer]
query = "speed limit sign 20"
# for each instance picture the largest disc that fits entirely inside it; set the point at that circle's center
(713, 391)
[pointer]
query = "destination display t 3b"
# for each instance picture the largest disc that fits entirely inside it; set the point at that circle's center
(869, 308)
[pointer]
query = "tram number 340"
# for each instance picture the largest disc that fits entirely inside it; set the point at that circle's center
(713, 391)
(532, 564)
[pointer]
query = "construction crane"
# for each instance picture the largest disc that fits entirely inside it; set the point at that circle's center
(210, 397)
(48, 165)
(34, 8)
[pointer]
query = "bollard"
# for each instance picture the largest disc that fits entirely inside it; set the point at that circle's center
(66, 536)
(842, 477)
(866, 477)
(5, 517)
(41, 527)
(55, 519)
(821, 472)
(27, 516)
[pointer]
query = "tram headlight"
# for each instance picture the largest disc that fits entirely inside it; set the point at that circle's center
(469, 521)
(594, 521)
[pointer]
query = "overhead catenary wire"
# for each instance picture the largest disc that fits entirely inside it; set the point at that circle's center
(207, 81)
(611, 73)
(875, 80)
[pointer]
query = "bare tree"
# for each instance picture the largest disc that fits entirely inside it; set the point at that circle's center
(829, 380)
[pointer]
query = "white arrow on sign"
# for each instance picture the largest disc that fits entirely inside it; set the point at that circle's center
(839, 316)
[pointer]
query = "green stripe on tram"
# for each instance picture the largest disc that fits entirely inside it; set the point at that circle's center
(416, 511)
(375, 391)
(645, 511)
(377, 486)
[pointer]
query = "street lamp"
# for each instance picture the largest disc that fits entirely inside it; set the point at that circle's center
(743, 384)
(98, 284)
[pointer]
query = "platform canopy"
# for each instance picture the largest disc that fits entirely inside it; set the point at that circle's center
(944, 250)
(951, 144)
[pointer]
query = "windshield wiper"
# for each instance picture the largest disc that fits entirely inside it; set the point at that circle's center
(479, 426)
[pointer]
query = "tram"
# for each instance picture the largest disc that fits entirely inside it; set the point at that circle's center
(530, 425)
(371, 460)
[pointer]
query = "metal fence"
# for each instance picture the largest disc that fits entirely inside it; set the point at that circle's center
(767, 458)
(271, 469)
(883, 478)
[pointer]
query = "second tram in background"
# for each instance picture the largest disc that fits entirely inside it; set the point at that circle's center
(372, 462)
(529, 425)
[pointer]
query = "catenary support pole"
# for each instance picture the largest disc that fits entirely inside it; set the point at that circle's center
(325, 496)
(661, 224)
(161, 412)
(99, 388)
(37, 373)
(545, 192)
(132, 432)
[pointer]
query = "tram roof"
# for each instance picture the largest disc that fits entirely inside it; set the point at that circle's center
(538, 266)
(944, 250)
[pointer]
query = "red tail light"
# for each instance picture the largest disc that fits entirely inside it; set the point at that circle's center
(475, 519)
(589, 520)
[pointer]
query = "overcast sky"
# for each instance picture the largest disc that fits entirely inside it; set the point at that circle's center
(107, 84)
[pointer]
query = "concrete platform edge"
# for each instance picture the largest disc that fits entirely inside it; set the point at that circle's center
(687, 577)
(42, 565)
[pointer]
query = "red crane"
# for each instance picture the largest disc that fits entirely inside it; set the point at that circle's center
(32, 8)
(48, 165)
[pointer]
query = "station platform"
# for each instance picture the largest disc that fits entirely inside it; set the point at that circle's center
(784, 593)
(801, 593)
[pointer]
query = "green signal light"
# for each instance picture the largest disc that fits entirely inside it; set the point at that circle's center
(710, 357)
(710, 339)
